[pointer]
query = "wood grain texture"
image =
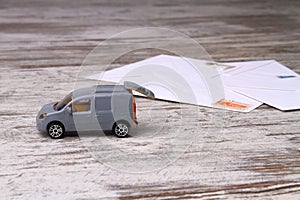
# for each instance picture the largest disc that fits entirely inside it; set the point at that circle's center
(249, 156)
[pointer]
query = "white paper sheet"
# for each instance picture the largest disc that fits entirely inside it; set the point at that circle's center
(183, 80)
(283, 100)
(269, 75)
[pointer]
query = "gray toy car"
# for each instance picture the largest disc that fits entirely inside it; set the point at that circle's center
(101, 107)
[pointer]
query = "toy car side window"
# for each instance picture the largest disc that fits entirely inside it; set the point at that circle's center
(82, 105)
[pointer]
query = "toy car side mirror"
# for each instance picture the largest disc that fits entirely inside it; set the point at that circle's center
(69, 110)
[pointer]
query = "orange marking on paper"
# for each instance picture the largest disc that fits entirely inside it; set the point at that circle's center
(232, 104)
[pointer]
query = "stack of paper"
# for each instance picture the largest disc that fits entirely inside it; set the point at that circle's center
(238, 86)
(266, 81)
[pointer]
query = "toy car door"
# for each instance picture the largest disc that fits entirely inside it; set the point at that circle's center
(103, 110)
(83, 115)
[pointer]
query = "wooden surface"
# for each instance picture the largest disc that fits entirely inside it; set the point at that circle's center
(233, 155)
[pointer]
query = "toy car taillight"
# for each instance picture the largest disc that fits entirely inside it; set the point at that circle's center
(134, 111)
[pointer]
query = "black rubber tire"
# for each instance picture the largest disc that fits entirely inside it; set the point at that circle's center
(121, 129)
(56, 130)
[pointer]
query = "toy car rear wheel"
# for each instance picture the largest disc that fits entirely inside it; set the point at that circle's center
(56, 130)
(121, 129)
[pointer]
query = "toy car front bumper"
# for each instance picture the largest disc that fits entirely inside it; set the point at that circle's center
(40, 126)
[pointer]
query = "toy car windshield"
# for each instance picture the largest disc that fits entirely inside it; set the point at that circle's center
(62, 103)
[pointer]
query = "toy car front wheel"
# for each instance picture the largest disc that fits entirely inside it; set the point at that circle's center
(56, 130)
(121, 129)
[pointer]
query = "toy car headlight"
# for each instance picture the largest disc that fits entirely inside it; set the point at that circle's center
(43, 115)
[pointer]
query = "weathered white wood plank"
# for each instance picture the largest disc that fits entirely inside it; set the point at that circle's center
(42, 44)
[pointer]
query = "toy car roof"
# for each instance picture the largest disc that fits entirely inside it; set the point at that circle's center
(128, 87)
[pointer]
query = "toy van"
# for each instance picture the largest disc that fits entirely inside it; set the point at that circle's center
(100, 107)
